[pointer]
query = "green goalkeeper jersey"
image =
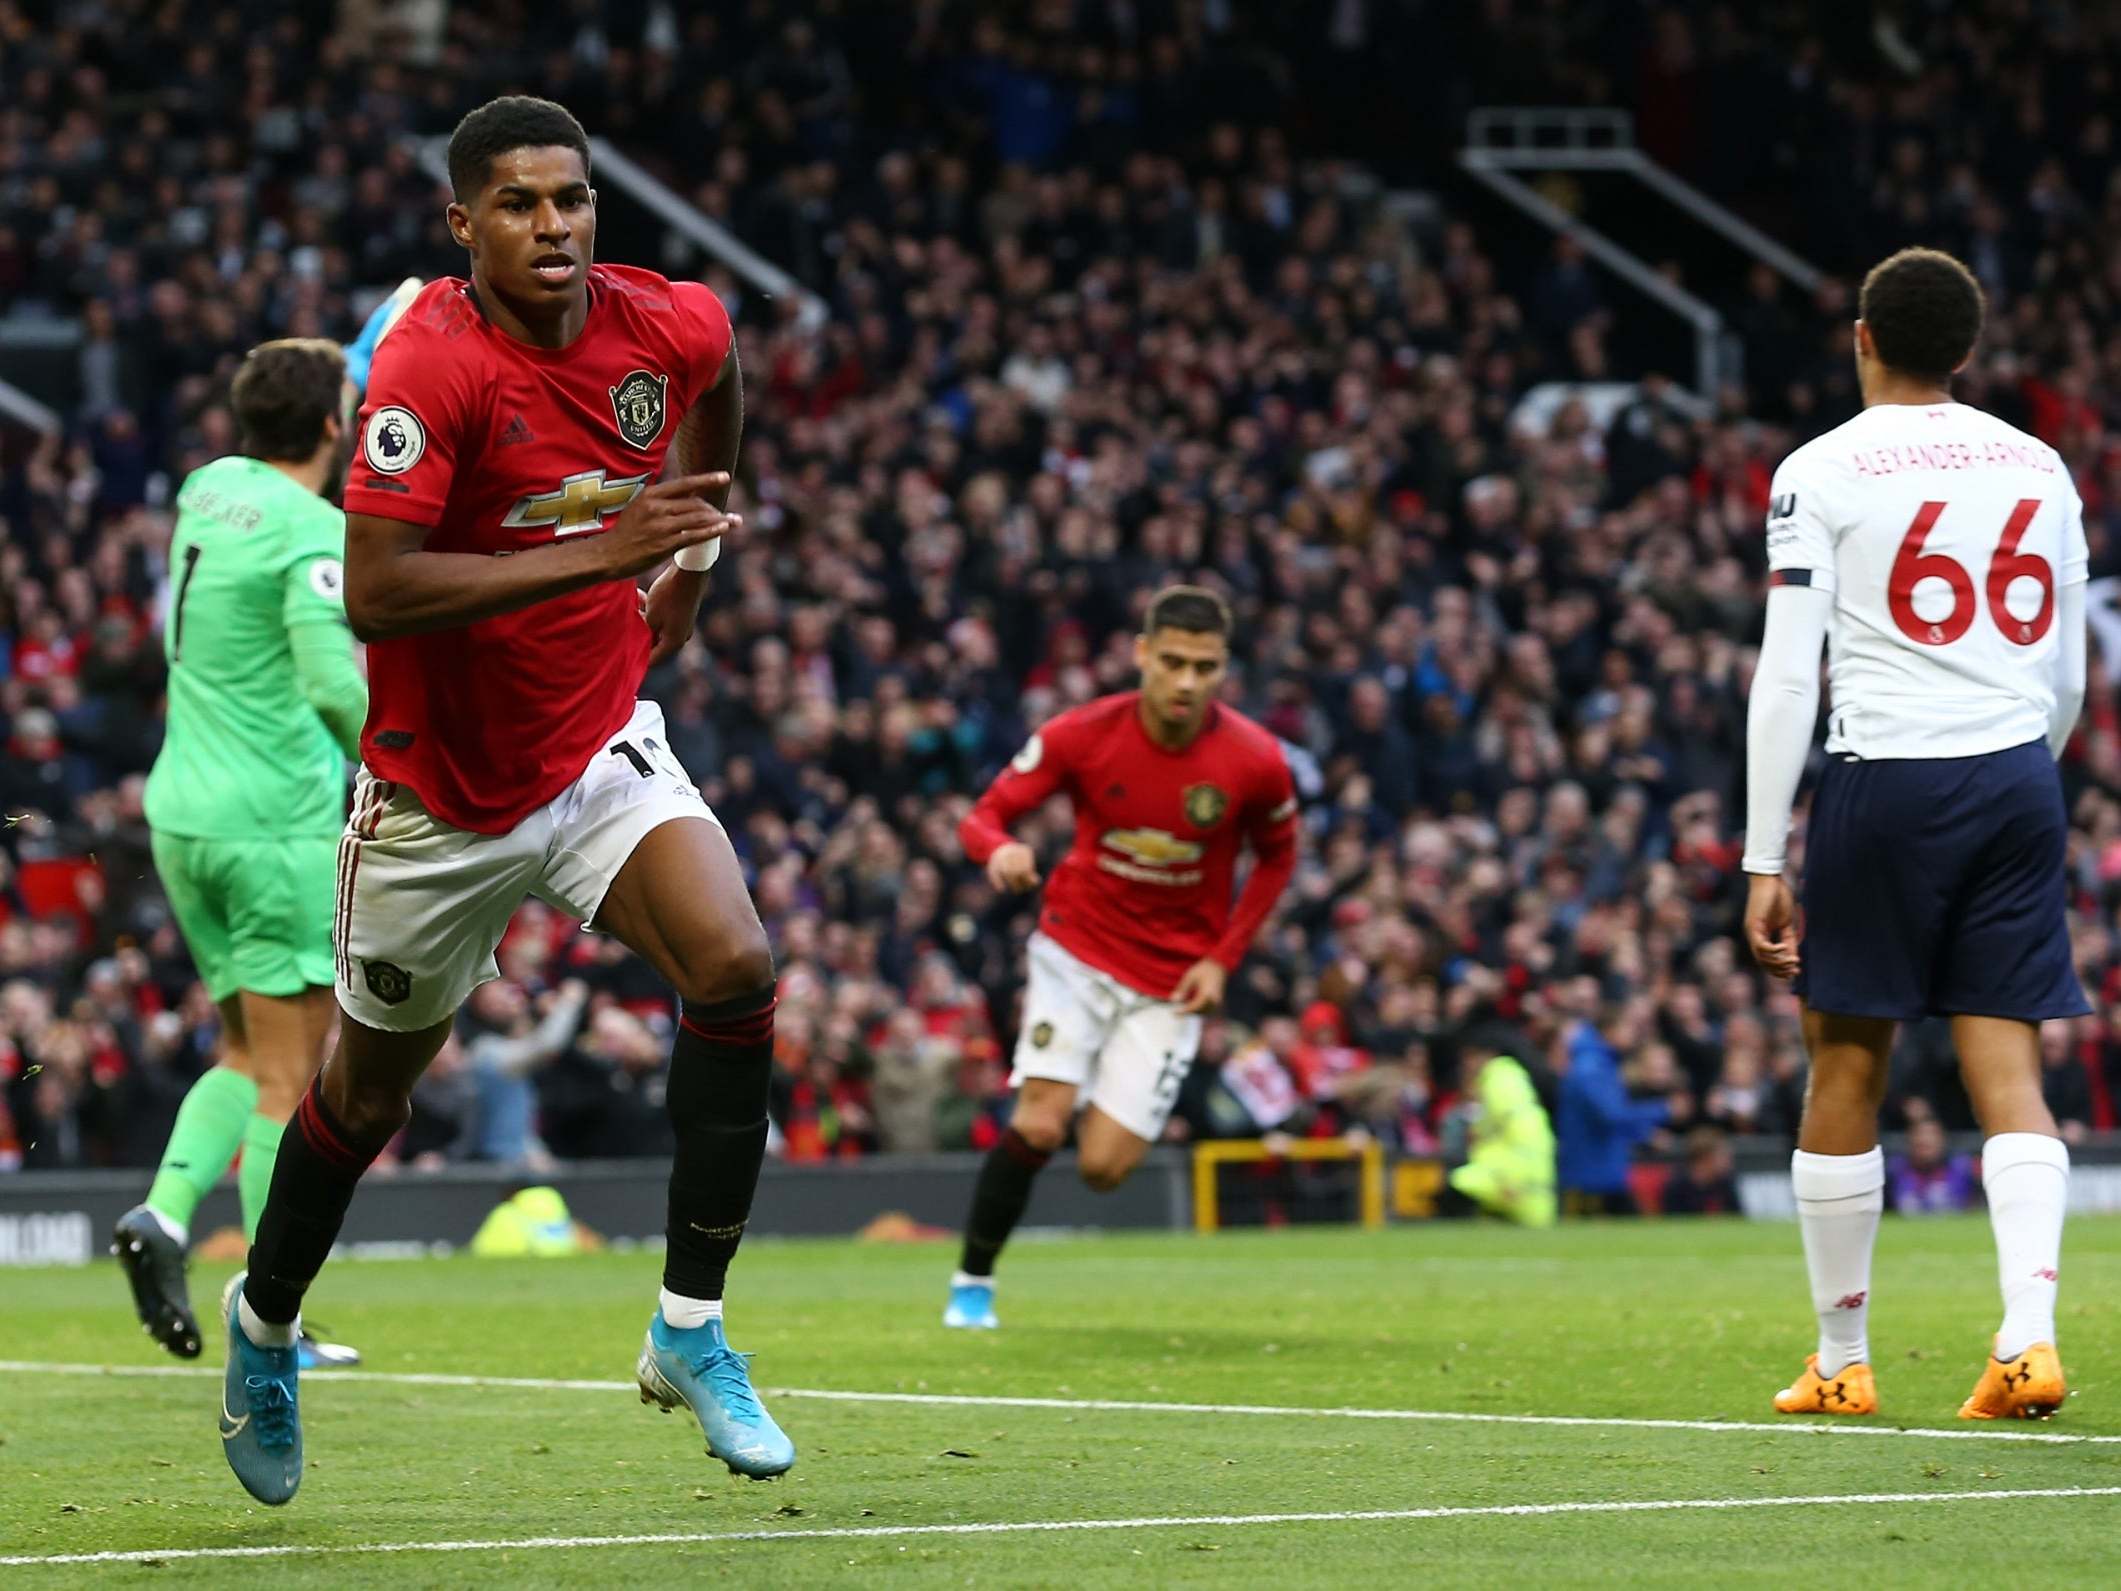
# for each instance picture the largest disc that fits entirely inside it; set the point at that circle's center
(259, 654)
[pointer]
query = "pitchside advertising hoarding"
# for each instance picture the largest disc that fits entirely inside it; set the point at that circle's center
(65, 1218)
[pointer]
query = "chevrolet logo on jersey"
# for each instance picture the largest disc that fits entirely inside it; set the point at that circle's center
(583, 502)
(1153, 847)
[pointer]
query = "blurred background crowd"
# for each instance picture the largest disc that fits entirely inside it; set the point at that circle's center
(1118, 292)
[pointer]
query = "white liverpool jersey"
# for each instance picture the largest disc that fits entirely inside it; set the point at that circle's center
(1943, 535)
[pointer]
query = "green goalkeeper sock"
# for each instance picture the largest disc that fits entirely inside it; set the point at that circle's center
(209, 1128)
(261, 1147)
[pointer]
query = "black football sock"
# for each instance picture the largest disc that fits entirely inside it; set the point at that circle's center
(313, 1181)
(721, 1069)
(998, 1200)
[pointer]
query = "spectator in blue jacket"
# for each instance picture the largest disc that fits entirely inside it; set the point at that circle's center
(1599, 1126)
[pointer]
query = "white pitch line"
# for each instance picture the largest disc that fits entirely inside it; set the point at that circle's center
(1970, 1433)
(1457, 1416)
(1020, 1527)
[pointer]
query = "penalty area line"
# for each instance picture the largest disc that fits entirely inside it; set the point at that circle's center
(1026, 1527)
(1973, 1432)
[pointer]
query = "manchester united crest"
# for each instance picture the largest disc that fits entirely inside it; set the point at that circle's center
(387, 981)
(637, 405)
(1205, 805)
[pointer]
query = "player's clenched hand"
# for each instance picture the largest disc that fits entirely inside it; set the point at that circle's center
(1013, 868)
(664, 517)
(1201, 989)
(1771, 926)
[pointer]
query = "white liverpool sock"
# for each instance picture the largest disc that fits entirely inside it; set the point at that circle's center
(1839, 1198)
(683, 1314)
(2027, 1178)
(967, 1279)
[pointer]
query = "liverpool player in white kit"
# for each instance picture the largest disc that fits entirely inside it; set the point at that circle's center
(1940, 555)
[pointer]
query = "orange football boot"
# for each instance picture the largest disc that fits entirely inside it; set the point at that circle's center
(2029, 1387)
(1850, 1390)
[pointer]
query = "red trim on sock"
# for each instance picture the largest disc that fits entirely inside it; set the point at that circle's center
(738, 1032)
(321, 1136)
(1020, 1149)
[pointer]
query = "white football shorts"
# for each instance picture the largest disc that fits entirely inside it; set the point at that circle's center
(422, 905)
(1123, 1051)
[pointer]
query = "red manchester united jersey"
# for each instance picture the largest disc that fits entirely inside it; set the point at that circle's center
(500, 447)
(1145, 891)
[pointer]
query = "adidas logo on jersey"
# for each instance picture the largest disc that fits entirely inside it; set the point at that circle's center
(515, 431)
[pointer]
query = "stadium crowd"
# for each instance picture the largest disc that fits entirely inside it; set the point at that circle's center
(1104, 311)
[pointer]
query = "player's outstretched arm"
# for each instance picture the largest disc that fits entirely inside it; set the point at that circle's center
(395, 586)
(1033, 774)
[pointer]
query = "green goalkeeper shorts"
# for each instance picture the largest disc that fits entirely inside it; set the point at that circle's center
(256, 914)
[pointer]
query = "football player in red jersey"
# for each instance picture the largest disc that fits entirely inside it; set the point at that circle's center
(509, 490)
(1138, 931)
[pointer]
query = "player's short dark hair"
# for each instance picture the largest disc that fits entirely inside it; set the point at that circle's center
(284, 392)
(514, 121)
(1193, 608)
(1924, 310)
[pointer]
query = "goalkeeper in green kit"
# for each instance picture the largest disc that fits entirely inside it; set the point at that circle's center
(248, 797)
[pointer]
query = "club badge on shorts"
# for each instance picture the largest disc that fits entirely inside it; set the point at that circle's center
(1205, 805)
(637, 405)
(1041, 1035)
(387, 981)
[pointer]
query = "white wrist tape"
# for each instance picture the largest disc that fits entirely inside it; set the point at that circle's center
(700, 556)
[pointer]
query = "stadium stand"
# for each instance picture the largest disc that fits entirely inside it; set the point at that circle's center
(1113, 302)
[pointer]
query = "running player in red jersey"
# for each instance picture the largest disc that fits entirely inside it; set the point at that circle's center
(509, 489)
(1138, 932)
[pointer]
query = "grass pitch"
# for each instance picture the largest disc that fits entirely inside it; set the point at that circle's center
(1674, 1322)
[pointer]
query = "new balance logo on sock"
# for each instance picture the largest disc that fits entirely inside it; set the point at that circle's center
(516, 431)
(2047, 1276)
(1852, 1301)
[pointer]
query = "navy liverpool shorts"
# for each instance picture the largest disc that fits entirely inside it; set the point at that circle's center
(1934, 886)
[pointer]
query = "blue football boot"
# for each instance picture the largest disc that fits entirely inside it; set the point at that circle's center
(261, 1430)
(318, 1354)
(972, 1304)
(698, 1368)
